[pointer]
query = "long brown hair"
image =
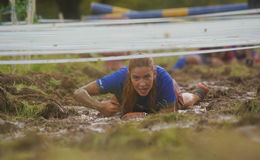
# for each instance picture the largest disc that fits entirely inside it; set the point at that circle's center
(129, 93)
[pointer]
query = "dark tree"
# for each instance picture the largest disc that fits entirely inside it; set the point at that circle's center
(4, 2)
(69, 8)
(253, 3)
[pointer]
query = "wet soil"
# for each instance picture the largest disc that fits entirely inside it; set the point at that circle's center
(60, 115)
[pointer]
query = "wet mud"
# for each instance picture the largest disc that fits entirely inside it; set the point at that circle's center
(58, 115)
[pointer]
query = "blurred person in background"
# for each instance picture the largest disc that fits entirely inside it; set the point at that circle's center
(246, 57)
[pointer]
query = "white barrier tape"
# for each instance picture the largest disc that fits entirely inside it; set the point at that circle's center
(123, 57)
(117, 50)
(216, 18)
(131, 37)
(231, 13)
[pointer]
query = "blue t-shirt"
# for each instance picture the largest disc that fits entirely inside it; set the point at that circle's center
(114, 83)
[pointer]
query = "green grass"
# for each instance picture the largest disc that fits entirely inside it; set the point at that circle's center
(249, 106)
(48, 68)
(24, 69)
(53, 82)
(127, 142)
(19, 87)
(240, 70)
(249, 112)
(29, 110)
(169, 61)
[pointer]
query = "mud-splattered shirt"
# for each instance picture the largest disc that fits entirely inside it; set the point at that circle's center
(114, 83)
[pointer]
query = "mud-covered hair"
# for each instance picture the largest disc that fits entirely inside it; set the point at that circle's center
(129, 93)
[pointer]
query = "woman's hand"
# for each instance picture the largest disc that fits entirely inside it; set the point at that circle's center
(109, 108)
(133, 115)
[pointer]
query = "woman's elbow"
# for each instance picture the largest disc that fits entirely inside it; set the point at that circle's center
(78, 93)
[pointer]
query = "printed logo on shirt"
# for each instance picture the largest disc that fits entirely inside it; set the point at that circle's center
(101, 84)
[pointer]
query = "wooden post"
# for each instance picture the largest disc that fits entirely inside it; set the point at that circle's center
(61, 18)
(31, 7)
(13, 12)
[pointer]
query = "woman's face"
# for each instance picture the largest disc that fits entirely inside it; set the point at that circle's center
(142, 79)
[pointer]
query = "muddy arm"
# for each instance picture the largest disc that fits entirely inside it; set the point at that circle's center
(83, 95)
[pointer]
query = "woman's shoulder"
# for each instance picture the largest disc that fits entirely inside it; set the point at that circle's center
(121, 71)
(162, 75)
(116, 75)
(161, 71)
(125, 68)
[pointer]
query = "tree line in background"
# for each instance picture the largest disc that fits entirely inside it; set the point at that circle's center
(74, 9)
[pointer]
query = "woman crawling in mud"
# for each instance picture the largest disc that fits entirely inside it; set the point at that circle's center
(138, 89)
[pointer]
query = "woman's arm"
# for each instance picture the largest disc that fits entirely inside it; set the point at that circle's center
(83, 95)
